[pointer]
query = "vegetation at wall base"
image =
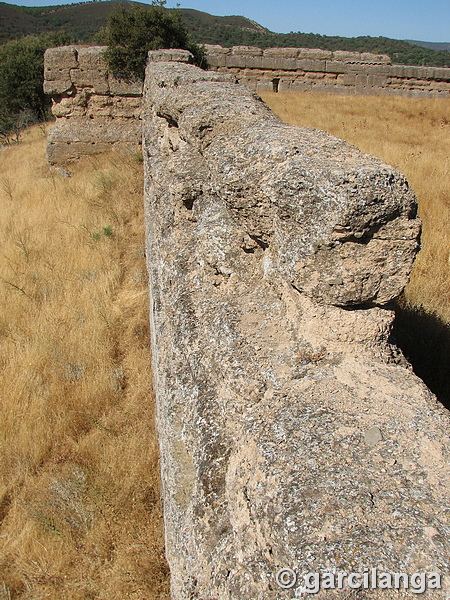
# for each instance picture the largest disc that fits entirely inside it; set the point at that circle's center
(132, 32)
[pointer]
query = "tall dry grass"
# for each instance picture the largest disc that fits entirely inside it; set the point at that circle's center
(80, 515)
(411, 134)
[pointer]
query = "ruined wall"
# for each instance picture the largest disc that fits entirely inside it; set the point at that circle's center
(292, 434)
(94, 111)
(338, 72)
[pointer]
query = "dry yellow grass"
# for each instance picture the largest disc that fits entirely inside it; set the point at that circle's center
(80, 516)
(411, 134)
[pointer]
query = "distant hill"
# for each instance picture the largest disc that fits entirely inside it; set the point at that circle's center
(431, 45)
(82, 21)
(14, 23)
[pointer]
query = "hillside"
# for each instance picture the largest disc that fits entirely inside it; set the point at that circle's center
(431, 45)
(15, 23)
(82, 21)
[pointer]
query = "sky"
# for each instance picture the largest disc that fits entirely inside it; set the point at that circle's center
(425, 20)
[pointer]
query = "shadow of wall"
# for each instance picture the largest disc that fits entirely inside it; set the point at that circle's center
(425, 342)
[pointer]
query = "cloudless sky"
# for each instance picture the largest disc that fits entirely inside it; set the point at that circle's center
(425, 20)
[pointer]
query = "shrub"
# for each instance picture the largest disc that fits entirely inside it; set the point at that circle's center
(22, 98)
(11, 124)
(131, 33)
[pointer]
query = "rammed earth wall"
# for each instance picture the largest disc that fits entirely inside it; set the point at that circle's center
(94, 111)
(292, 433)
(339, 72)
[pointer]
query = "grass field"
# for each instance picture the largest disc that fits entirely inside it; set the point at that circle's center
(80, 515)
(412, 135)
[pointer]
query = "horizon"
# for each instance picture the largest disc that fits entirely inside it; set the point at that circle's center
(396, 19)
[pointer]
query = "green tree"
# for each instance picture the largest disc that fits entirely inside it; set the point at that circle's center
(22, 98)
(131, 33)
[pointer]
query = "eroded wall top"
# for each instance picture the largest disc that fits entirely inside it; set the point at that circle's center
(338, 72)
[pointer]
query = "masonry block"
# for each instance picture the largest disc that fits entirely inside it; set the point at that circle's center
(314, 54)
(246, 51)
(65, 57)
(282, 52)
(305, 64)
(334, 66)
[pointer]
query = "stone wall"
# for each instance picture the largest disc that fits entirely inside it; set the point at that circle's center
(338, 72)
(292, 433)
(94, 111)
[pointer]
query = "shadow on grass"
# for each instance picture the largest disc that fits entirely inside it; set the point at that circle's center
(425, 341)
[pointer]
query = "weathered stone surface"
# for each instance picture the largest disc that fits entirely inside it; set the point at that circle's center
(442, 73)
(280, 63)
(65, 108)
(64, 57)
(335, 66)
(92, 58)
(263, 85)
(235, 60)
(57, 86)
(283, 52)
(95, 79)
(288, 436)
(315, 54)
(126, 107)
(78, 80)
(212, 49)
(120, 87)
(215, 61)
(80, 136)
(345, 56)
(382, 70)
(254, 62)
(53, 74)
(368, 57)
(171, 54)
(309, 65)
